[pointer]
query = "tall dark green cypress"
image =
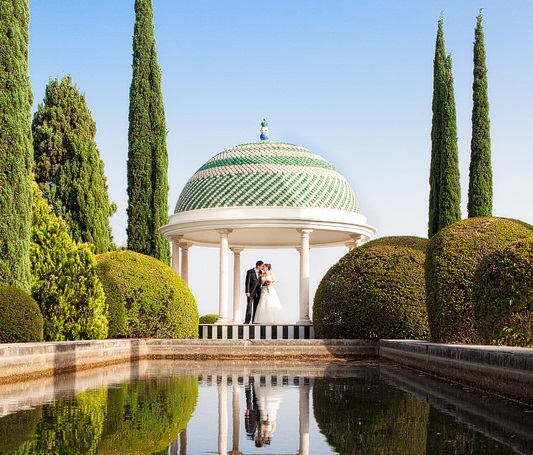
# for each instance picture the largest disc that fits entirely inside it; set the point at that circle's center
(480, 179)
(450, 185)
(68, 168)
(15, 145)
(147, 152)
(437, 128)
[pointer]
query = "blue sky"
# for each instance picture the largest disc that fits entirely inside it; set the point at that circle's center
(349, 80)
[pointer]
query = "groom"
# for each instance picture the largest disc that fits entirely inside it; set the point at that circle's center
(252, 286)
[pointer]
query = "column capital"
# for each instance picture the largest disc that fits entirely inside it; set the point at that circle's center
(237, 250)
(305, 231)
(186, 245)
(176, 238)
(357, 239)
(224, 232)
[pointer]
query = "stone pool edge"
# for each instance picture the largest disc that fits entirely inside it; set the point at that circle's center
(505, 371)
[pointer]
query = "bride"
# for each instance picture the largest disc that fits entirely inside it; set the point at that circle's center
(269, 309)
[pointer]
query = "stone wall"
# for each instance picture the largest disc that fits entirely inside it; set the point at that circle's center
(502, 370)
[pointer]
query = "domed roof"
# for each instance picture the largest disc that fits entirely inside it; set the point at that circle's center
(267, 174)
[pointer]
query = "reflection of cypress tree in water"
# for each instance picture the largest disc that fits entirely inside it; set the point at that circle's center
(145, 416)
(367, 416)
(24, 422)
(446, 436)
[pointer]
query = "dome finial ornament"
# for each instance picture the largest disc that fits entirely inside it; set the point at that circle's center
(264, 130)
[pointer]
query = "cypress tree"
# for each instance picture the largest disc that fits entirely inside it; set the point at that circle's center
(68, 168)
(437, 128)
(480, 179)
(147, 150)
(450, 186)
(15, 145)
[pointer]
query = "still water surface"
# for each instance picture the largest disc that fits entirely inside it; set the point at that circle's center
(164, 407)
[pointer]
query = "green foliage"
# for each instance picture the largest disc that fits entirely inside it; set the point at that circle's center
(503, 296)
(68, 168)
(480, 183)
(450, 187)
(147, 151)
(146, 298)
(20, 317)
(158, 410)
(368, 416)
(15, 145)
(453, 256)
(445, 191)
(64, 279)
(72, 426)
(208, 318)
(376, 290)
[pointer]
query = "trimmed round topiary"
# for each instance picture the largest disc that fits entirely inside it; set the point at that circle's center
(503, 296)
(20, 317)
(208, 318)
(374, 291)
(146, 298)
(453, 255)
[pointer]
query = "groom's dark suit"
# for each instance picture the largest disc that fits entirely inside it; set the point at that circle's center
(252, 286)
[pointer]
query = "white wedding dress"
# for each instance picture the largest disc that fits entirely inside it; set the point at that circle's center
(269, 309)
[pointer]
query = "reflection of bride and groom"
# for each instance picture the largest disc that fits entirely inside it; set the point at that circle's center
(263, 304)
(262, 404)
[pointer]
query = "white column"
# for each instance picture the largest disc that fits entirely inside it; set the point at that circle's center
(185, 260)
(223, 416)
(237, 285)
(223, 288)
(304, 419)
(304, 277)
(175, 253)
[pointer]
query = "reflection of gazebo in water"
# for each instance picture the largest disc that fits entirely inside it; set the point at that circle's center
(264, 195)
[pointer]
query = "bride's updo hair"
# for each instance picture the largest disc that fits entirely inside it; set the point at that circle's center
(268, 266)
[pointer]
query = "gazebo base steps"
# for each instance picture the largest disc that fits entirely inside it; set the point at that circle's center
(256, 332)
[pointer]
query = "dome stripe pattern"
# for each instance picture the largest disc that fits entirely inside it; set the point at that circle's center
(269, 174)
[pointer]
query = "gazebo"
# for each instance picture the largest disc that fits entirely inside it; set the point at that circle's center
(263, 195)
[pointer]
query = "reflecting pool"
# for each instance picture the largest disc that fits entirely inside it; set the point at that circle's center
(177, 407)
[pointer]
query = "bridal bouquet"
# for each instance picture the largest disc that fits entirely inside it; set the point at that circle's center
(267, 284)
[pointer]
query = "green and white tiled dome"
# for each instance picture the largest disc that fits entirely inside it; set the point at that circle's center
(267, 174)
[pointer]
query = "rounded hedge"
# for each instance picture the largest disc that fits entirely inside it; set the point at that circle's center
(20, 317)
(374, 291)
(503, 296)
(146, 298)
(208, 318)
(453, 255)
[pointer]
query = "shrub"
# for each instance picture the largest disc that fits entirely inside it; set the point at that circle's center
(208, 318)
(20, 317)
(146, 298)
(376, 290)
(64, 279)
(503, 296)
(453, 255)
